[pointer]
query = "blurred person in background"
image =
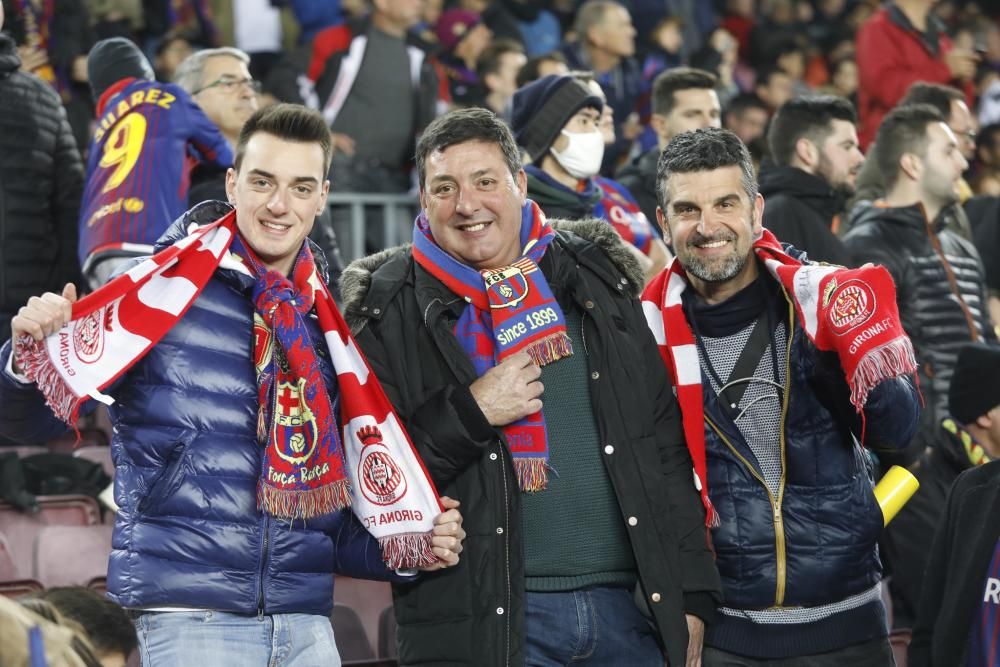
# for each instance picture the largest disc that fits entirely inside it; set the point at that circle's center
(41, 182)
(815, 159)
(843, 81)
(540, 66)
(987, 178)
(605, 45)
(104, 624)
(774, 86)
(463, 38)
(684, 99)
(902, 43)
(497, 69)
(172, 50)
(746, 116)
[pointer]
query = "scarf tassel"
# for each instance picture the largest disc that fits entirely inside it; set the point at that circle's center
(531, 473)
(407, 550)
(552, 348)
(304, 503)
(890, 360)
(36, 365)
(713, 520)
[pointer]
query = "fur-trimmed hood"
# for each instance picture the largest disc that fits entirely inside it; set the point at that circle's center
(356, 280)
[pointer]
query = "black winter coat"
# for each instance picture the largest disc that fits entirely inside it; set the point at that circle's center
(473, 614)
(41, 181)
(940, 290)
(799, 208)
(956, 570)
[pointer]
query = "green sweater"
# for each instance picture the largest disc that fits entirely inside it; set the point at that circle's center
(574, 533)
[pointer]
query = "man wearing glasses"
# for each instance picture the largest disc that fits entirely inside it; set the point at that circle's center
(147, 138)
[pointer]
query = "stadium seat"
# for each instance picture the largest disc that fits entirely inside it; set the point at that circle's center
(97, 454)
(22, 527)
(26, 450)
(367, 598)
(71, 555)
(387, 634)
(18, 587)
(900, 642)
(352, 641)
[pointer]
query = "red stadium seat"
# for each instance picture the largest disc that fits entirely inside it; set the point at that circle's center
(367, 598)
(387, 634)
(352, 641)
(8, 568)
(97, 454)
(22, 527)
(18, 587)
(71, 555)
(900, 642)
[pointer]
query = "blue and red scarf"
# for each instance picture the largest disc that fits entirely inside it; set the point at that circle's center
(511, 309)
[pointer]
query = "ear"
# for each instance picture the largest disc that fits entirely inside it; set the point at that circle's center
(423, 199)
(911, 165)
(325, 190)
(522, 185)
(658, 123)
(806, 152)
(231, 185)
(757, 226)
(661, 220)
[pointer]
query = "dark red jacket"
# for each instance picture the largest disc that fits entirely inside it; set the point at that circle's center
(891, 56)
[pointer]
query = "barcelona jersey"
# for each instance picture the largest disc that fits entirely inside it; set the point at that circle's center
(149, 135)
(620, 208)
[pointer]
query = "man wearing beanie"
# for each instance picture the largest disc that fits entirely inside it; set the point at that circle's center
(967, 437)
(556, 121)
(463, 37)
(147, 138)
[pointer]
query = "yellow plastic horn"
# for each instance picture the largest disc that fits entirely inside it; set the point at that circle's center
(896, 487)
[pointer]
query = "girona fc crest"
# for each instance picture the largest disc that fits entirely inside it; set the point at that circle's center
(508, 285)
(851, 305)
(294, 424)
(88, 334)
(382, 482)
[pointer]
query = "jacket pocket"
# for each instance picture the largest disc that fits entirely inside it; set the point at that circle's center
(167, 480)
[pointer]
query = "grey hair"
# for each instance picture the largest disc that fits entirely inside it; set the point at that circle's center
(189, 72)
(706, 149)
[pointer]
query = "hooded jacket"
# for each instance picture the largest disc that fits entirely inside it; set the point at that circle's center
(41, 178)
(473, 614)
(187, 463)
(800, 208)
(940, 290)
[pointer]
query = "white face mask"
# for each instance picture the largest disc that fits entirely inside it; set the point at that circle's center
(582, 155)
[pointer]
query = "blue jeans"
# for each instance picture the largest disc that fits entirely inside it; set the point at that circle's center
(593, 626)
(211, 638)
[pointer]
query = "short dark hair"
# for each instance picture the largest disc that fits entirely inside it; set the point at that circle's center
(492, 56)
(744, 102)
(988, 137)
(810, 117)
(106, 625)
(938, 96)
(462, 125)
(530, 71)
(289, 122)
(765, 74)
(706, 149)
(903, 130)
(677, 79)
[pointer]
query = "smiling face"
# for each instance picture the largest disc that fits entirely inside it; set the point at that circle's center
(473, 204)
(278, 191)
(711, 223)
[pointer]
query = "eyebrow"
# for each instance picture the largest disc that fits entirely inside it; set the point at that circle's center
(448, 177)
(718, 200)
(297, 179)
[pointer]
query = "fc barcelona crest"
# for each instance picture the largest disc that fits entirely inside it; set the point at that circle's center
(294, 424)
(509, 284)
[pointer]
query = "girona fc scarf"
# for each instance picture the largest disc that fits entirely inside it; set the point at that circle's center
(848, 311)
(306, 471)
(511, 309)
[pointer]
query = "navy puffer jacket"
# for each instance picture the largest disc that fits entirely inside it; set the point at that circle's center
(189, 533)
(816, 544)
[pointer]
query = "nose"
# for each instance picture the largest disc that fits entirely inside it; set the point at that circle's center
(962, 162)
(467, 203)
(278, 204)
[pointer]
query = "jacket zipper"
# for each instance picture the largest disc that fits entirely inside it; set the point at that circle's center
(779, 526)
(263, 568)
(506, 551)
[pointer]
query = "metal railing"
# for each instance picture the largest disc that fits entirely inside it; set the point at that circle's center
(353, 228)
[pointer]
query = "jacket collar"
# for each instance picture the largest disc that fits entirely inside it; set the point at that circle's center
(798, 183)
(930, 38)
(10, 61)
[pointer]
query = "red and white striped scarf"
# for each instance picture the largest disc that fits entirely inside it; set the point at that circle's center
(851, 312)
(114, 327)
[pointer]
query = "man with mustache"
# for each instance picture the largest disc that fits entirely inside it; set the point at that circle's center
(815, 159)
(782, 367)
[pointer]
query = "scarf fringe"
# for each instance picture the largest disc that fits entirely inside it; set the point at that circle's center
(304, 503)
(552, 348)
(532, 473)
(407, 551)
(712, 519)
(890, 360)
(36, 365)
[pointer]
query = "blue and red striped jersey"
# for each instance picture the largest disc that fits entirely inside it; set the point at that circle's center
(149, 135)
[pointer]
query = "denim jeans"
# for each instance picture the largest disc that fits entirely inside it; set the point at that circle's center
(214, 638)
(593, 626)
